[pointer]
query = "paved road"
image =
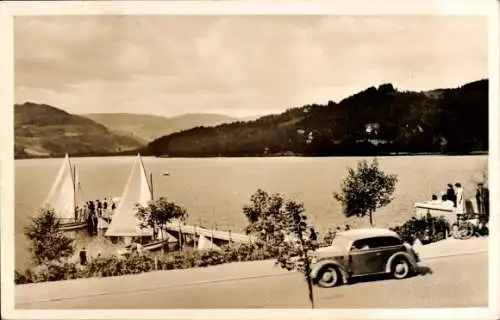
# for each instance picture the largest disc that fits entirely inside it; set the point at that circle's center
(458, 281)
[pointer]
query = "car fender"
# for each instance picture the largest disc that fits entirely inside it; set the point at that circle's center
(321, 264)
(411, 260)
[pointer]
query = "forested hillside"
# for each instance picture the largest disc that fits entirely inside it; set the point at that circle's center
(41, 130)
(379, 120)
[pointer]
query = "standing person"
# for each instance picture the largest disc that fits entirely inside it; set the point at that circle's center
(447, 203)
(83, 257)
(483, 199)
(451, 195)
(91, 207)
(480, 199)
(313, 236)
(486, 202)
(99, 207)
(460, 204)
(95, 221)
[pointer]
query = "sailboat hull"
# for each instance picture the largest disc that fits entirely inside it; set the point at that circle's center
(72, 226)
(155, 245)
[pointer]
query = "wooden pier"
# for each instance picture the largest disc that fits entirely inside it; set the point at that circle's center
(217, 236)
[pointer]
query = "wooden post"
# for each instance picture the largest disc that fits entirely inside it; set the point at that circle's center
(180, 237)
(156, 262)
(212, 240)
(194, 239)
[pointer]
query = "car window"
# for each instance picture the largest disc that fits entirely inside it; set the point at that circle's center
(341, 242)
(375, 242)
(362, 244)
(380, 242)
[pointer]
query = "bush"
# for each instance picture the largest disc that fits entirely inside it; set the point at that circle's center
(47, 241)
(109, 266)
(426, 229)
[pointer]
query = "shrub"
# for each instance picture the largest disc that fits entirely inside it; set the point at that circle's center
(48, 242)
(426, 229)
(109, 266)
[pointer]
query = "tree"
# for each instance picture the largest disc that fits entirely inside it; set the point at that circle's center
(264, 215)
(48, 242)
(282, 226)
(297, 252)
(366, 190)
(158, 213)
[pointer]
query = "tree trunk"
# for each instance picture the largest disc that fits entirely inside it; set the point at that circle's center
(307, 268)
(371, 218)
(309, 281)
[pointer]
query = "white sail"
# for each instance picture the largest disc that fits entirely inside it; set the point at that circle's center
(137, 191)
(205, 244)
(62, 194)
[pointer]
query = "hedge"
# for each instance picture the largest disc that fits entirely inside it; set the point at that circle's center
(138, 263)
(426, 229)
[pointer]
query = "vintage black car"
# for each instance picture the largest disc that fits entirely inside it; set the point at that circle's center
(361, 252)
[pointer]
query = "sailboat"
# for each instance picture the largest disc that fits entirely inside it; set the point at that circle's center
(124, 223)
(64, 197)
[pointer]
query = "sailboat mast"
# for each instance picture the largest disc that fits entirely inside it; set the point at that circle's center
(74, 189)
(152, 188)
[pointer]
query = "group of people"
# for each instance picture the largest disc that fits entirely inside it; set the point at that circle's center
(93, 210)
(454, 197)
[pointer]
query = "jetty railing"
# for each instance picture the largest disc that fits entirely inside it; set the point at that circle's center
(228, 236)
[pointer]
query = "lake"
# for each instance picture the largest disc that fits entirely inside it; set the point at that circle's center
(214, 190)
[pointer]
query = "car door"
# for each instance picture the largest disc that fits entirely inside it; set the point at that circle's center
(388, 246)
(365, 257)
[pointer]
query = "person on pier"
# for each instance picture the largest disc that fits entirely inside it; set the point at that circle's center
(460, 200)
(451, 195)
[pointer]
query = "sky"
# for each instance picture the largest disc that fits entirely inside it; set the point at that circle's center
(240, 66)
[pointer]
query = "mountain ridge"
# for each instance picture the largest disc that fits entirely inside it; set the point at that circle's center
(146, 127)
(42, 130)
(377, 120)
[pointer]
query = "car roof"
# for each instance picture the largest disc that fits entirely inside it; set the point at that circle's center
(356, 234)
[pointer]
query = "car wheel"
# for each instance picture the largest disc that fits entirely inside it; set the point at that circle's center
(328, 277)
(401, 268)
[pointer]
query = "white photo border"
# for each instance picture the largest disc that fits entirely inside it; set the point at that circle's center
(11, 9)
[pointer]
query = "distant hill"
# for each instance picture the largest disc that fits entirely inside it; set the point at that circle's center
(45, 131)
(146, 128)
(375, 121)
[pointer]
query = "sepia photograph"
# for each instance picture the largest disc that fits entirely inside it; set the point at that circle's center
(207, 156)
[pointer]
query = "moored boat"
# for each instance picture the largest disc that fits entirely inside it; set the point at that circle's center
(125, 226)
(65, 197)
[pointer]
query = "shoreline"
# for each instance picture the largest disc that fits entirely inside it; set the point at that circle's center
(399, 154)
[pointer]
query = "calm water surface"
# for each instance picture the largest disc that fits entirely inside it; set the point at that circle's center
(214, 190)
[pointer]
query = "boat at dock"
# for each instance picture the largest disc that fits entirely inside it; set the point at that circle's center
(65, 198)
(125, 226)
